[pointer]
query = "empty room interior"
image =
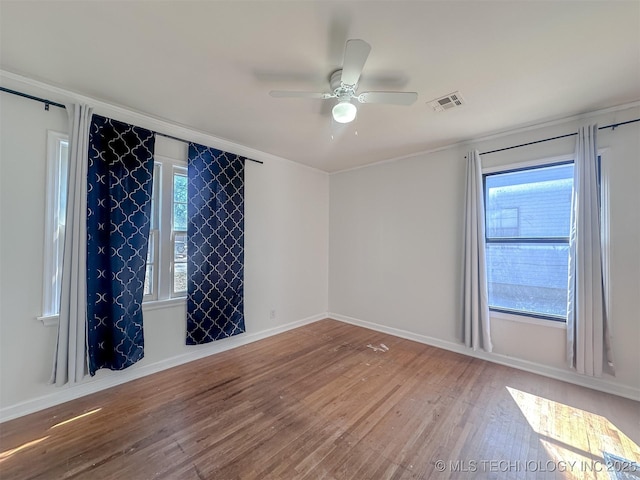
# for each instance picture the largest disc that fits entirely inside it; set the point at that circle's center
(319, 240)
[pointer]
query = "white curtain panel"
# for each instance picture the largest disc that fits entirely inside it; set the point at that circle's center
(477, 331)
(588, 345)
(70, 361)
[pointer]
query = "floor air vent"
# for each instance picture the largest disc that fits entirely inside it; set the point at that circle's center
(447, 102)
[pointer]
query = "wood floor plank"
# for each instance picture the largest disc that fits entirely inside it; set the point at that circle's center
(327, 401)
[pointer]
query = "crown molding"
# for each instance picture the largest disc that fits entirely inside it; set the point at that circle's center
(501, 134)
(143, 119)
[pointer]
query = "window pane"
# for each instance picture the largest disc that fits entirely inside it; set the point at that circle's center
(62, 183)
(528, 277)
(180, 247)
(179, 201)
(180, 278)
(155, 194)
(179, 216)
(151, 247)
(179, 235)
(534, 203)
(56, 211)
(61, 216)
(148, 279)
(179, 188)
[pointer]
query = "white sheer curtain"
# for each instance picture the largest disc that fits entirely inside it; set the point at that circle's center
(588, 342)
(477, 332)
(70, 361)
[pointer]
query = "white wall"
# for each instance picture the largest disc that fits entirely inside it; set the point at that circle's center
(386, 238)
(286, 254)
(395, 247)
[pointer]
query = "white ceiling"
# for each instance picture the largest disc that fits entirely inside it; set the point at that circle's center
(209, 65)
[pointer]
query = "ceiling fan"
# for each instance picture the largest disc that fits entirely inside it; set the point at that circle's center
(344, 84)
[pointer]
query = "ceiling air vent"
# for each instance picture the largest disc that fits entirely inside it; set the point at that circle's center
(447, 102)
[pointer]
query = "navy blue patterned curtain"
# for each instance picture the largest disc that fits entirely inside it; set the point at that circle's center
(215, 248)
(118, 219)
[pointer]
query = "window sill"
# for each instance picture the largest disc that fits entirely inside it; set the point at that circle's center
(49, 320)
(525, 319)
(53, 320)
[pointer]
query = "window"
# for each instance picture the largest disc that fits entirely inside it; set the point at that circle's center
(166, 277)
(151, 277)
(179, 233)
(528, 215)
(166, 273)
(55, 218)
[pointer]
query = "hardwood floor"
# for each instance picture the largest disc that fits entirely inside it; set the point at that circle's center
(319, 403)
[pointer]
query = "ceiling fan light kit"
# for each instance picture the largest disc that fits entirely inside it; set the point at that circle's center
(344, 83)
(344, 112)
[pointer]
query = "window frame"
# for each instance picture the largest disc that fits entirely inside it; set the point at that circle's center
(544, 163)
(53, 245)
(180, 171)
(160, 235)
(164, 296)
(154, 233)
(604, 190)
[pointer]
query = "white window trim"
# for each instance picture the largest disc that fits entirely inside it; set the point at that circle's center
(165, 243)
(180, 169)
(521, 318)
(605, 176)
(154, 236)
(49, 320)
(162, 296)
(53, 245)
(153, 246)
(529, 164)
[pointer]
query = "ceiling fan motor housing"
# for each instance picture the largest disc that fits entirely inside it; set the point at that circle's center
(339, 89)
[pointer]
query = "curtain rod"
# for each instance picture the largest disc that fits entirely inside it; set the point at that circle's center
(48, 103)
(612, 127)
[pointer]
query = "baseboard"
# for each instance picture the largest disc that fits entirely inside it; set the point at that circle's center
(568, 376)
(90, 385)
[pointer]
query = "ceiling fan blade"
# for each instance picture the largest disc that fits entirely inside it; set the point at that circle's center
(356, 53)
(288, 94)
(391, 98)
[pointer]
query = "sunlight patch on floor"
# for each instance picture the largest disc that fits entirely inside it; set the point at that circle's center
(575, 439)
(8, 453)
(77, 417)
